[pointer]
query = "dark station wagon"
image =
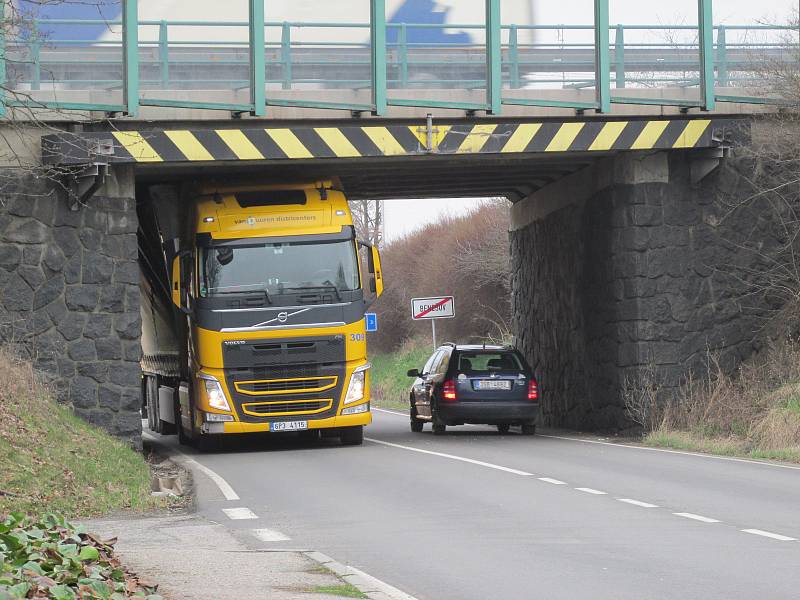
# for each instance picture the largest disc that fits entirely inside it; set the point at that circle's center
(482, 384)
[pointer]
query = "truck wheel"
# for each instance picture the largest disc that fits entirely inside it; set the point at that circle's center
(503, 428)
(416, 424)
(352, 436)
(529, 428)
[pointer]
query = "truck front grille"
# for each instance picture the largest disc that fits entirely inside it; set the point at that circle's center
(268, 387)
(289, 407)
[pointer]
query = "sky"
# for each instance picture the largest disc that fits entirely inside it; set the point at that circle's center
(404, 216)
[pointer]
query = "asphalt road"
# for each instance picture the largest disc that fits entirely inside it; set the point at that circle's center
(473, 515)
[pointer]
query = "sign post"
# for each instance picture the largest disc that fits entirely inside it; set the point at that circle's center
(438, 307)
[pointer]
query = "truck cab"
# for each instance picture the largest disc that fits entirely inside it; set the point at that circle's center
(272, 293)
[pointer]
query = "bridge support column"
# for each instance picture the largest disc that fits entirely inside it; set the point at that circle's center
(621, 274)
(70, 293)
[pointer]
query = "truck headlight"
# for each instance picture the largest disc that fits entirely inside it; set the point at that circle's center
(214, 394)
(358, 384)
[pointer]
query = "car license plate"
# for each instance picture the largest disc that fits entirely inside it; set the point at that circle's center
(289, 426)
(494, 384)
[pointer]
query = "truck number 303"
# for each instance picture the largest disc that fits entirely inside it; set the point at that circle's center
(357, 337)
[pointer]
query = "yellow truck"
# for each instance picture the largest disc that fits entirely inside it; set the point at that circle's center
(266, 330)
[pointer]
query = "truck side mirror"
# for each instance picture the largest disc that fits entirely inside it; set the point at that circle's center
(374, 263)
(180, 281)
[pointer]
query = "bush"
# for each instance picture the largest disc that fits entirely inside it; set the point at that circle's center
(466, 257)
(51, 558)
(756, 410)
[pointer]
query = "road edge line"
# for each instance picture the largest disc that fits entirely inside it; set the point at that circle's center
(372, 587)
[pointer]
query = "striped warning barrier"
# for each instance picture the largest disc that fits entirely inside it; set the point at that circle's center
(350, 141)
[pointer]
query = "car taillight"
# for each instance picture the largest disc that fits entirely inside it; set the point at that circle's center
(533, 390)
(449, 390)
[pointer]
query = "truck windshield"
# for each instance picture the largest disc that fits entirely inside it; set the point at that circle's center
(281, 268)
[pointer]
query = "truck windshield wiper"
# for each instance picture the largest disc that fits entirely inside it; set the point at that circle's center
(319, 288)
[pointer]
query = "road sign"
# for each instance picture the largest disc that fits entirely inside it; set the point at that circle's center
(440, 307)
(372, 321)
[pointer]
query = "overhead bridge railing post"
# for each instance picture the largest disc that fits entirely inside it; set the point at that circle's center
(286, 55)
(377, 25)
(705, 26)
(602, 77)
(619, 57)
(163, 53)
(130, 56)
(258, 84)
(722, 57)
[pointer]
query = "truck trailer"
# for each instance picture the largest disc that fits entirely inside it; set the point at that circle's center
(253, 302)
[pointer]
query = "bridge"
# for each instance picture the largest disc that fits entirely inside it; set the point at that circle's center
(612, 150)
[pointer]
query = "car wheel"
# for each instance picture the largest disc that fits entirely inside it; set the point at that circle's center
(529, 428)
(352, 436)
(503, 428)
(416, 424)
(439, 426)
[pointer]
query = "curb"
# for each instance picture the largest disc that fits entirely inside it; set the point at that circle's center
(373, 588)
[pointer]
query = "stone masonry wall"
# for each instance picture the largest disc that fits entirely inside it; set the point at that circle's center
(70, 295)
(637, 283)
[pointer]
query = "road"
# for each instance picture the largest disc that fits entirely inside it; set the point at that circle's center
(473, 515)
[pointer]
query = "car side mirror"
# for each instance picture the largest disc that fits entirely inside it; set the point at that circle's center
(413, 373)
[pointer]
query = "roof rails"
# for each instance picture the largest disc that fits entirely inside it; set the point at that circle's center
(449, 344)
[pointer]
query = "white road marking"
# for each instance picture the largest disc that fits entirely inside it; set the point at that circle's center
(638, 503)
(270, 535)
(553, 481)
(768, 534)
(591, 491)
(667, 451)
(695, 517)
(480, 463)
(635, 447)
(191, 463)
(239, 513)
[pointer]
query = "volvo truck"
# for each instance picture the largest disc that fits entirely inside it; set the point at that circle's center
(253, 302)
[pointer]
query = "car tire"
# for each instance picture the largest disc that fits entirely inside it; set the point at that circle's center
(503, 428)
(529, 428)
(416, 424)
(352, 436)
(439, 426)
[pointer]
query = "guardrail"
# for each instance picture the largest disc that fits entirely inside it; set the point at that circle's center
(620, 57)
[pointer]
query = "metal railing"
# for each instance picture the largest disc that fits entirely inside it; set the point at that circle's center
(619, 58)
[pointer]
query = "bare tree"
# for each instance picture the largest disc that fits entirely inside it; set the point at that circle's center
(368, 220)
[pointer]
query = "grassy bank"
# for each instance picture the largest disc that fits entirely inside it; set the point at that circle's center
(754, 412)
(52, 461)
(390, 384)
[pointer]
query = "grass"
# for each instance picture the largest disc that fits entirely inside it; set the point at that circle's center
(50, 460)
(390, 384)
(345, 590)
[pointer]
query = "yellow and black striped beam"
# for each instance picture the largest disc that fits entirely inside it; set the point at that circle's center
(254, 143)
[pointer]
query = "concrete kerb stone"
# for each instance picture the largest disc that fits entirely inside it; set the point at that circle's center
(372, 588)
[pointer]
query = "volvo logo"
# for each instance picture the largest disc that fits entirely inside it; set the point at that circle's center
(283, 317)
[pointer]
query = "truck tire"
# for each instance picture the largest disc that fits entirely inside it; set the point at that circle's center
(352, 436)
(503, 428)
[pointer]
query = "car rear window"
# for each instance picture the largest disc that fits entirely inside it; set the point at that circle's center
(484, 362)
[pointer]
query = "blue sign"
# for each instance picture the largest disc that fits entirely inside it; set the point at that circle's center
(372, 321)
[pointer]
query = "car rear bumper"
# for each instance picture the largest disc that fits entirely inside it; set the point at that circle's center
(488, 412)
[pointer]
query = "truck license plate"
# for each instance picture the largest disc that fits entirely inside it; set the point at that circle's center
(490, 384)
(289, 426)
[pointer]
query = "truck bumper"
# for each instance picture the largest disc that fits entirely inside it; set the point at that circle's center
(338, 421)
